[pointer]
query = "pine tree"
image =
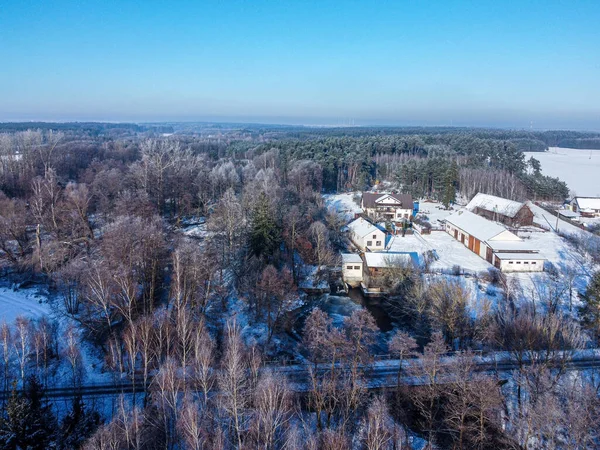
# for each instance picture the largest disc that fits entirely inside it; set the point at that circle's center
(265, 235)
(27, 422)
(78, 425)
(590, 311)
(450, 182)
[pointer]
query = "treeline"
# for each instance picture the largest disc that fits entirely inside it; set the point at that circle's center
(524, 140)
(87, 128)
(423, 165)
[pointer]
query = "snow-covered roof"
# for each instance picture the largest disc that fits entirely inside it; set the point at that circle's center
(492, 203)
(505, 256)
(362, 227)
(383, 260)
(351, 258)
(588, 203)
(511, 246)
(568, 213)
(475, 225)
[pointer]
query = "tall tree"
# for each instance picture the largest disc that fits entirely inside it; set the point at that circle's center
(265, 234)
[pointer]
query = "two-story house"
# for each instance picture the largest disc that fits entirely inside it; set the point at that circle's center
(366, 236)
(392, 207)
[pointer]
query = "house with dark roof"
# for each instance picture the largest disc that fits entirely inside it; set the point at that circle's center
(498, 209)
(392, 207)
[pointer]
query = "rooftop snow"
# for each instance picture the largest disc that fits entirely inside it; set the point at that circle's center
(351, 258)
(362, 227)
(386, 259)
(535, 256)
(588, 203)
(492, 203)
(475, 225)
(514, 246)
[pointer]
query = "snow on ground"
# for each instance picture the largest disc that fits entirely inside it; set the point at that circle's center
(196, 231)
(573, 166)
(24, 302)
(434, 211)
(452, 253)
(547, 221)
(343, 204)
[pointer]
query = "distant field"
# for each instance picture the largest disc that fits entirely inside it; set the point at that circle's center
(573, 166)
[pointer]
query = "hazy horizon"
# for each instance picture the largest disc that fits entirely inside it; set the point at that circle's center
(477, 64)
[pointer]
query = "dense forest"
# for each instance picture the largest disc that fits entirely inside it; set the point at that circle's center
(422, 165)
(174, 269)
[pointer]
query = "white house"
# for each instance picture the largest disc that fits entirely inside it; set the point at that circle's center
(494, 243)
(366, 236)
(586, 206)
(352, 268)
(393, 207)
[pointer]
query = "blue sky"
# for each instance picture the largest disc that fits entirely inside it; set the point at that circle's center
(404, 62)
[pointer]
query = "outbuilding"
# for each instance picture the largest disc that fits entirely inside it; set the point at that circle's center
(494, 243)
(498, 209)
(352, 268)
(586, 206)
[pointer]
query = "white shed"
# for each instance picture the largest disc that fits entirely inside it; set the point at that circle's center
(352, 268)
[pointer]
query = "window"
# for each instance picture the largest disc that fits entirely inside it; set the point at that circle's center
(356, 267)
(526, 262)
(349, 267)
(518, 262)
(406, 216)
(378, 244)
(369, 243)
(374, 236)
(510, 262)
(534, 262)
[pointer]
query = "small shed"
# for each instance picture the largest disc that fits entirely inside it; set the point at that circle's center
(352, 268)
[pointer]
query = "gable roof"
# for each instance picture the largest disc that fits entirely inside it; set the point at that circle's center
(362, 227)
(591, 203)
(370, 199)
(477, 226)
(500, 205)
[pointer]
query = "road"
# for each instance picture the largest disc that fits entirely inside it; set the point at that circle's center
(382, 374)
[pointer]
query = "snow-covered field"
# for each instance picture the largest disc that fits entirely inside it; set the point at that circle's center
(25, 302)
(573, 166)
(343, 203)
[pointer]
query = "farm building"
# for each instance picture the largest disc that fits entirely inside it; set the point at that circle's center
(586, 206)
(392, 207)
(352, 268)
(498, 209)
(366, 236)
(494, 243)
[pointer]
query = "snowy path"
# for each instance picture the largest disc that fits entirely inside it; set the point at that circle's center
(21, 303)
